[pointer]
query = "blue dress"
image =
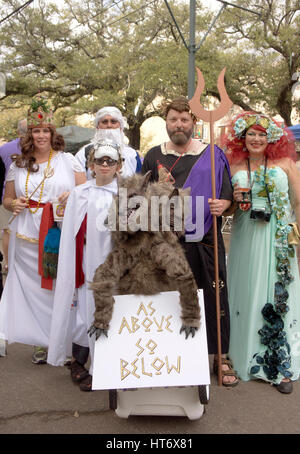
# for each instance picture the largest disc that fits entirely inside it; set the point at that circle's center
(264, 286)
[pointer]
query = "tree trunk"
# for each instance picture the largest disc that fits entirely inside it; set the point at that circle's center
(134, 135)
(284, 104)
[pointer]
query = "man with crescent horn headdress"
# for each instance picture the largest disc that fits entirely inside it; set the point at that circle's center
(110, 124)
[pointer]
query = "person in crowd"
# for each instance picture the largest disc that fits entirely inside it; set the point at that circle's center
(185, 162)
(8, 150)
(42, 173)
(110, 123)
(85, 244)
(264, 287)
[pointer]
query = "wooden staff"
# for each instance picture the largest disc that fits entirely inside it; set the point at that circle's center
(210, 116)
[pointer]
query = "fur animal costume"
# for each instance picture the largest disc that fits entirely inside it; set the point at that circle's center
(144, 262)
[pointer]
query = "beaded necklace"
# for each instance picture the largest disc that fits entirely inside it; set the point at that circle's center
(42, 186)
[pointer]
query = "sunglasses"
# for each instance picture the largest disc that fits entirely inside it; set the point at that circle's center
(110, 162)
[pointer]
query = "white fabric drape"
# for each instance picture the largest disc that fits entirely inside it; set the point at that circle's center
(26, 308)
(95, 201)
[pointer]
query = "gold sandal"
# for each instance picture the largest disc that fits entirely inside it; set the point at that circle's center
(230, 372)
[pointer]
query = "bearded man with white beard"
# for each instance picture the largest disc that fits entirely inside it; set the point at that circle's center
(110, 123)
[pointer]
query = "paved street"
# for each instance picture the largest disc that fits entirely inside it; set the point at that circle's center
(41, 399)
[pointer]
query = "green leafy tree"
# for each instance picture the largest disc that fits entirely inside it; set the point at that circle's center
(272, 44)
(89, 55)
(92, 53)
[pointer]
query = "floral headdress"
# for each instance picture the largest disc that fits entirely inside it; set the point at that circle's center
(39, 112)
(247, 119)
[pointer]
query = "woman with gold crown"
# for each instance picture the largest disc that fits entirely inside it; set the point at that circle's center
(264, 286)
(41, 174)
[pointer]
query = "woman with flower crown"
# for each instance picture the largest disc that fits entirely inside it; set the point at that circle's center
(41, 174)
(263, 278)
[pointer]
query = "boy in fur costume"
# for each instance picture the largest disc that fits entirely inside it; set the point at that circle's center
(146, 259)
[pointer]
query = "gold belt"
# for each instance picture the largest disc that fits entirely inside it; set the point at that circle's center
(26, 238)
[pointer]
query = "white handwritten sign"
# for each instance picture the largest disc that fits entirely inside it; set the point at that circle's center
(144, 348)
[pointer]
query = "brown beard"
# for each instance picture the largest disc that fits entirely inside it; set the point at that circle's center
(181, 139)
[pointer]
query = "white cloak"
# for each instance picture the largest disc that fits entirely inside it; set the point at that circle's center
(95, 201)
(25, 307)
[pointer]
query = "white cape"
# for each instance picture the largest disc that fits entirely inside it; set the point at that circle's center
(95, 201)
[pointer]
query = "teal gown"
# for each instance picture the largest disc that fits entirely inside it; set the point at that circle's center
(264, 286)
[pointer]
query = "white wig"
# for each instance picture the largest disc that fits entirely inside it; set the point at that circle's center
(114, 112)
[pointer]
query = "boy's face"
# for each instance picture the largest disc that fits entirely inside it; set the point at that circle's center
(105, 167)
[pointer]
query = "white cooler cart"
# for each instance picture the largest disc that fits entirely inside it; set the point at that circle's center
(154, 370)
(186, 401)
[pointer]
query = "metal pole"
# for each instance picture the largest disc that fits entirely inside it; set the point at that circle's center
(240, 7)
(211, 26)
(175, 22)
(16, 10)
(192, 50)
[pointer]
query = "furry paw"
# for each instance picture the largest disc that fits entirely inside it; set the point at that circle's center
(188, 330)
(97, 331)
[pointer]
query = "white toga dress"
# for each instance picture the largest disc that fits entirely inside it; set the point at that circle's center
(25, 307)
